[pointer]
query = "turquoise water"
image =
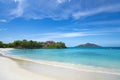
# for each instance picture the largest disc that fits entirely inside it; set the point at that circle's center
(99, 57)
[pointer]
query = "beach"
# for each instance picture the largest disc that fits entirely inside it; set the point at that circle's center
(14, 68)
(9, 70)
(59, 39)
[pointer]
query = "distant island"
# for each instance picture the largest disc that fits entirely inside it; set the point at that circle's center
(25, 44)
(88, 45)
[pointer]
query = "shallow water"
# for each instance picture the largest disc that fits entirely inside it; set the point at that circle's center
(98, 57)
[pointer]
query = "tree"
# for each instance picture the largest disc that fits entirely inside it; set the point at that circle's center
(24, 44)
(60, 45)
(17, 44)
(1, 44)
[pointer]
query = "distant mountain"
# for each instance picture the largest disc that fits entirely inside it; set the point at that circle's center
(88, 45)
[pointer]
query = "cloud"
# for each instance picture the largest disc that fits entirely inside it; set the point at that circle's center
(100, 22)
(61, 1)
(18, 11)
(6, 7)
(3, 20)
(3, 29)
(55, 9)
(58, 35)
(111, 8)
(66, 35)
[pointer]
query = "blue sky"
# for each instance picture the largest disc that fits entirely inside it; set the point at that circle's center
(71, 21)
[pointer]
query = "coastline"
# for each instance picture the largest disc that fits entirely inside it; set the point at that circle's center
(59, 71)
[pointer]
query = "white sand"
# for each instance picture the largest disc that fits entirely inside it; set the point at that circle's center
(45, 70)
(6, 49)
(9, 70)
(71, 72)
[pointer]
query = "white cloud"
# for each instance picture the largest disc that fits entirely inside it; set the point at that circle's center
(61, 1)
(3, 29)
(66, 35)
(18, 11)
(56, 9)
(60, 35)
(100, 22)
(111, 8)
(3, 20)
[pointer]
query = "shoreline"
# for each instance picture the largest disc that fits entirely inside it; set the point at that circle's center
(64, 71)
(78, 67)
(68, 65)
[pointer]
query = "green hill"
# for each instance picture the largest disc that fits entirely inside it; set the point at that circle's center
(88, 45)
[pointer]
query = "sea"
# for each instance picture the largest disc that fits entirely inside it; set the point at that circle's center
(107, 57)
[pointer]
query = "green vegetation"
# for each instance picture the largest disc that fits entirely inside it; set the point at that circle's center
(55, 45)
(88, 45)
(1, 44)
(24, 44)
